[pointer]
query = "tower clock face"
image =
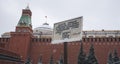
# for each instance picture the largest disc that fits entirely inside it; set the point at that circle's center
(24, 30)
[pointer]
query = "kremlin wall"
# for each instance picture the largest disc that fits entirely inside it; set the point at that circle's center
(36, 45)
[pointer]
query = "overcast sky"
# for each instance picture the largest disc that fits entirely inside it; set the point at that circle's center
(97, 14)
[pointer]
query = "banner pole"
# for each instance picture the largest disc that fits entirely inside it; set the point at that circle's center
(65, 53)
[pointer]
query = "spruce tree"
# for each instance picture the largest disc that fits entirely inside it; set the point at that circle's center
(116, 59)
(81, 56)
(51, 60)
(61, 60)
(91, 59)
(28, 61)
(110, 59)
(40, 60)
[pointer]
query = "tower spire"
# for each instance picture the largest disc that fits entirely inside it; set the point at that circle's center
(25, 20)
(27, 6)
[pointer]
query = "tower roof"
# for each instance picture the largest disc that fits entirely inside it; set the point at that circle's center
(45, 24)
(25, 20)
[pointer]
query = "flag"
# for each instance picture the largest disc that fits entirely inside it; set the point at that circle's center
(45, 16)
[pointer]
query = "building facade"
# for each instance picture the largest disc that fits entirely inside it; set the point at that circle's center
(36, 44)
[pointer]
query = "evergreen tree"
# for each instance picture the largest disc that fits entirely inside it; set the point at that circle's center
(91, 59)
(61, 60)
(40, 60)
(81, 56)
(51, 60)
(110, 59)
(28, 61)
(116, 59)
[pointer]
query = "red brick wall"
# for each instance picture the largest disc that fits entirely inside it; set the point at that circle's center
(4, 42)
(45, 49)
(20, 44)
(101, 45)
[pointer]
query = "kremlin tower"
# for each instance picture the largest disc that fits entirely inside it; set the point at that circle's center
(20, 39)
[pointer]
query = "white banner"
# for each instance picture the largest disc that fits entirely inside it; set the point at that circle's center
(68, 31)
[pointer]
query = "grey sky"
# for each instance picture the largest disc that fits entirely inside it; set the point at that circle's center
(97, 14)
